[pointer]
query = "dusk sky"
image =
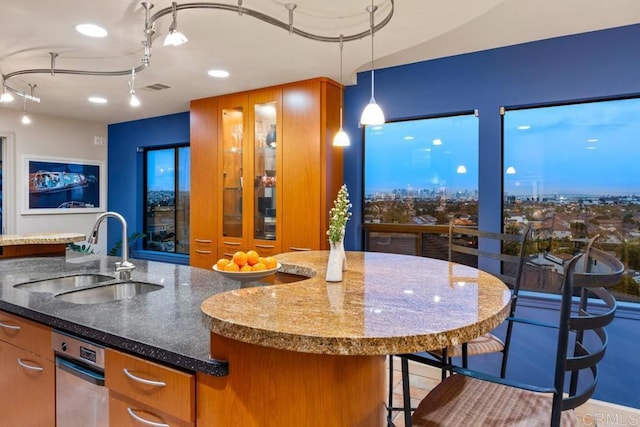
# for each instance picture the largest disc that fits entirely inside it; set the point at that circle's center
(589, 148)
(161, 169)
(424, 153)
(579, 149)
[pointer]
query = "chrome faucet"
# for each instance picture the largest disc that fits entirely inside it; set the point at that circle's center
(123, 267)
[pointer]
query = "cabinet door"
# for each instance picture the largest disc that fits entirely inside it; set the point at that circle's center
(233, 161)
(312, 167)
(265, 134)
(302, 165)
(27, 388)
(203, 125)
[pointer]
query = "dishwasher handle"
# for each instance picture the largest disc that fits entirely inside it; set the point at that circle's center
(79, 371)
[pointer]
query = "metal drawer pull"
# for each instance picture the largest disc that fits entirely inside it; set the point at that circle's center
(230, 255)
(293, 248)
(142, 380)
(202, 252)
(203, 241)
(27, 366)
(143, 421)
(15, 328)
(265, 246)
(232, 243)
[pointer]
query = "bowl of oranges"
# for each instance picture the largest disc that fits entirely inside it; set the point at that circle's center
(246, 266)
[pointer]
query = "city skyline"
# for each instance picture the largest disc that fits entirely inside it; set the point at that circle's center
(573, 149)
(423, 153)
(579, 149)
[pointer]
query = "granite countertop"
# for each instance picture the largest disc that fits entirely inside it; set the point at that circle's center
(40, 238)
(164, 325)
(385, 304)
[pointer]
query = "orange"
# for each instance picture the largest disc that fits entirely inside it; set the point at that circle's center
(262, 260)
(222, 263)
(252, 257)
(240, 258)
(231, 266)
(246, 267)
(259, 266)
(270, 262)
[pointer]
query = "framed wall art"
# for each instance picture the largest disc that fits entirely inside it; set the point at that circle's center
(60, 186)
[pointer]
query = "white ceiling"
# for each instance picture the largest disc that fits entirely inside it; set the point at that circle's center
(255, 53)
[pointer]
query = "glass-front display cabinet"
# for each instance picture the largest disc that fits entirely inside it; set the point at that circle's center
(232, 132)
(265, 171)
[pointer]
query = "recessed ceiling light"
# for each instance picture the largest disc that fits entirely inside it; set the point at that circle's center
(592, 140)
(97, 100)
(524, 127)
(437, 141)
(91, 30)
(408, 138)
(218, 73)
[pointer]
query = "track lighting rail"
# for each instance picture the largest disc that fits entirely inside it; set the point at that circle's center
(149, 30)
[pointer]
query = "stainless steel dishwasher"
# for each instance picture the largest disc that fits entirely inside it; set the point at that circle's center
(81, 396)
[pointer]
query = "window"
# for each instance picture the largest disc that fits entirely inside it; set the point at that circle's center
(571, 172)
(167, 199)
(422, 171)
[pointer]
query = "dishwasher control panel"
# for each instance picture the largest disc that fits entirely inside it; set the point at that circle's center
(78, 349)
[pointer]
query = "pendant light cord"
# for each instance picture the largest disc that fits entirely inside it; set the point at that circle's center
(342, 89)
(372, 10)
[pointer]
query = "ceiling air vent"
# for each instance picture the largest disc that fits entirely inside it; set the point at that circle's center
(156, 87)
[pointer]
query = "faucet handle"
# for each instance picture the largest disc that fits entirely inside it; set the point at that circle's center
(124, 266)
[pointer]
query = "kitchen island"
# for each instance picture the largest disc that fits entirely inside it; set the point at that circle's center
(312, 352)
(308, 352)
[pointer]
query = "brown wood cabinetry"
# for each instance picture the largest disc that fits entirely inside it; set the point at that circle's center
(203, 125)
(27, 373)
(140, 389)
(312, 167)
(276, 171)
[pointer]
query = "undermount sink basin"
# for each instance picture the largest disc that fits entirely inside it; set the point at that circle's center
(62, 284)
(108, 293)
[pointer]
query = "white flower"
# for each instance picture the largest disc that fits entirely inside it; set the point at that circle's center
(339, 215)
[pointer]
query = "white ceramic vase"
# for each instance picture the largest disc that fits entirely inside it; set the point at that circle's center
(337, 261)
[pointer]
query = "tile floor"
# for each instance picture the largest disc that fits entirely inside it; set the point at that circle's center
(592, 414)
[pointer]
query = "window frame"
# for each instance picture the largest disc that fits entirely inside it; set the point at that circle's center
(631, 303)
(145, 187)
(470, 112)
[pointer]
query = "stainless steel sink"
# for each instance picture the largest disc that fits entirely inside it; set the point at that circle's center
(61, 284)
(108, 293)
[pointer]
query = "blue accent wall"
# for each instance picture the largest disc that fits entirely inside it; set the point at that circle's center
(592, 65)
(125, 172)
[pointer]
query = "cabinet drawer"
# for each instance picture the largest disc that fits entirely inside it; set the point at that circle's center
(203, 253)
(267, 248)
(228, 251)
(26, 334)
(125, 412)
(152, 384)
